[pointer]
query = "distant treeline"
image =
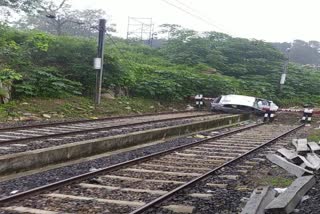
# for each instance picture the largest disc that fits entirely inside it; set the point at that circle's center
(301, 52)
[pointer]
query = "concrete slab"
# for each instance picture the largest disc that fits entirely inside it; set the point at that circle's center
(222, 186)
(245, 166)
(179, 208)
(201, 195)
(314, 147)
(193, 160)
(185, 154)
(295, 143)
(162, 172)
(303, 165)
(314, 160)
(243, 188)
(215, 150)
(216, 157)
(290, 155)
(163, 181)
(252, 163)
(290, 198)
(101, 200)
(123, 178)
(302, 146)
(259, 199)
(17, 209)
(229, 177)
(111, 188)
(18, 145)
(259, 159)
(27, 134)
(175, 167)
(8, 137)
(290, 167)
(308, 165)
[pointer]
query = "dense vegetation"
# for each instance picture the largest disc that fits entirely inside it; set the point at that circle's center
(45, 65)
(306, 53)
(55, 60)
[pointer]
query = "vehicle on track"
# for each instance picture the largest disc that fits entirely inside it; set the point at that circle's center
(242, 104)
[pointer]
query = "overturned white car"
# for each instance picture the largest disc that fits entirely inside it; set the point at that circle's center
(242, 104)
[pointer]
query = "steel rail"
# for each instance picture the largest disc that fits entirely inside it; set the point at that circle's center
(188, 184)
(79, 178)
(89, 120)
(98, 129)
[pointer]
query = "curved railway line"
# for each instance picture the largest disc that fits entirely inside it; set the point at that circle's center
(40, 131)
(140, 184)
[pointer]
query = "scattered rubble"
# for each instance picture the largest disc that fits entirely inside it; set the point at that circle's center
(288, 166)
(287, 201)
(301, 162)
(259, 199)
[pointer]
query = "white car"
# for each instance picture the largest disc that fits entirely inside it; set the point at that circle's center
(242, 104)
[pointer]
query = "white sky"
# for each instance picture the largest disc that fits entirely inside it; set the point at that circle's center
(269, 20)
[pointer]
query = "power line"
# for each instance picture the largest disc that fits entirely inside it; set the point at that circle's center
(121, 53)
(191, 14)
(195, 11)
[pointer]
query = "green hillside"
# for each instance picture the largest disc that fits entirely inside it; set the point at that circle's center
(37, 64)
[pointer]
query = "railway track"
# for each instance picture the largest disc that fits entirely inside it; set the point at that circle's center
(16, 134)
(26, 138)
(135, 186)
(12, 127)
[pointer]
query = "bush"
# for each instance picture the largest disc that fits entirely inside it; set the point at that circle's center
(47, 82)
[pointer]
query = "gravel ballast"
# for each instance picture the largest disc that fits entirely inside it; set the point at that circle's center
(233, 198)
(36, 180)
(29, 145)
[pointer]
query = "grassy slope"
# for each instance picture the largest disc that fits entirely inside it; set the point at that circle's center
(80, 107)
(315, 136)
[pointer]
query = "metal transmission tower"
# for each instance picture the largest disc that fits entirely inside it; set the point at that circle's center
(140, 28)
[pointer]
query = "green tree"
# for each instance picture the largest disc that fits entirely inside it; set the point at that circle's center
(24, 5)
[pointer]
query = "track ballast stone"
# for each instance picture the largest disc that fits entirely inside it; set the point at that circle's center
(33, 181)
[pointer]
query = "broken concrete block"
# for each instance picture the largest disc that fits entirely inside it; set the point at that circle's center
(289, 199)
(314, 160)
(290, 167)
(179, 208)
(303, 165)
(307, 163)
(294, 142)
(259, 199)
(314, 147)
(302, 146)
(290, 155)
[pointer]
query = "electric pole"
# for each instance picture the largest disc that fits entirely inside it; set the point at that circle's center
(98, 62)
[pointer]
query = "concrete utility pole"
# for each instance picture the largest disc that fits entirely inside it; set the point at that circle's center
(285, 69)
(98, 62)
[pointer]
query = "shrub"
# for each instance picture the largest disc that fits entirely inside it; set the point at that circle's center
(47, 82)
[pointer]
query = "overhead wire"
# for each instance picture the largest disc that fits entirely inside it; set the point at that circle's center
(120, 51)
(196, 11)
(193, 13)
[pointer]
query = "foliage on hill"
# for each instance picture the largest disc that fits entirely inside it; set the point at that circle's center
(306, 53)
(189, 63)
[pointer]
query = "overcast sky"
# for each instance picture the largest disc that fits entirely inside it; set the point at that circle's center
(269, 20)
